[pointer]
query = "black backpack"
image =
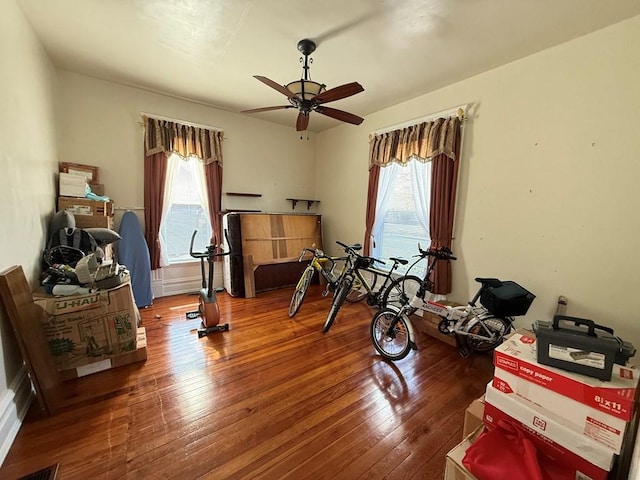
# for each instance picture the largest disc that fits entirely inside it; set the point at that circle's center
(68, 245)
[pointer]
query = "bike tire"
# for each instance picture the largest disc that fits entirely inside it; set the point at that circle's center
(301, 290)
(338, 300)
(358, 291)
(498, 325)
(394, 345)
(400, 291)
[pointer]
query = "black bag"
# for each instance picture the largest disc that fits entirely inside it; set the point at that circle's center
(507, 300)
(68, 245)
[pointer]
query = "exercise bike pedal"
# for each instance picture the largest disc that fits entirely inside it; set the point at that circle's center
(192, 315)
(202, 331)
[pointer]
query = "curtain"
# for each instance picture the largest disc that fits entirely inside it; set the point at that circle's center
(372, 193)
(170, 176)
(443, 201)
(161, 138)
(155, 168)
(421, 184)
(438, 142)
(213, 177)
(385, 188)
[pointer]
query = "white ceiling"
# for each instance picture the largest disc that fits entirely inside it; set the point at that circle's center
(207, 51)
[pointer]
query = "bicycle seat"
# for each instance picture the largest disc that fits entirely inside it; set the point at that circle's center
(490, 282)
(401, 261)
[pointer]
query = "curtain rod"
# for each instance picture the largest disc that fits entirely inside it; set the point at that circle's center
(184, 122)
(426, 118)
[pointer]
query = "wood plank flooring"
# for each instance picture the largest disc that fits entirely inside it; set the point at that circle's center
(272, 398)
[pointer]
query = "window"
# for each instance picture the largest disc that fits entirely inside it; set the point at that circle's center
(185, 209)
(403, 209)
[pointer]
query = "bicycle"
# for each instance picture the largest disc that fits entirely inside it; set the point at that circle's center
(318, 262)
(360, 274)
(391, 291)
(478, 328)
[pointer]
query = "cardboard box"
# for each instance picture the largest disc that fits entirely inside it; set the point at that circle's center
(89, 328)
(454, 469)
(549, 452)
(139, 355)
(71, 185)
(473, 416)
(94, 221)
(551, 437)
(427, 323)
(82, 206)
(517, 355)
(97, 188)
(593, 423)
(90, 172)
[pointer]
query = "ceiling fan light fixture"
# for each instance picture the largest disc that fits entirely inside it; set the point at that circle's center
(306, 89)
(308, 96)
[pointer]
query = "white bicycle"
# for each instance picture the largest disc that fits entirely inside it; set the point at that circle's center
(475, 327)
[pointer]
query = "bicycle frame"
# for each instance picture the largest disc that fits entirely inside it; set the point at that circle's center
(317, 263)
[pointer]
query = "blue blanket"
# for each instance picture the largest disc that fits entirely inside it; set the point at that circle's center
(134, 254)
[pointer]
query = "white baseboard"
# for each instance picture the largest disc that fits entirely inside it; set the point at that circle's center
(13, 408)
(163, 287)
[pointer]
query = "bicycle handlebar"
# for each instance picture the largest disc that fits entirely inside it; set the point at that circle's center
(442, 253)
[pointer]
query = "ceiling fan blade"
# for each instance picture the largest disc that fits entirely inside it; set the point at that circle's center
(340, 115)
(302, 122)
(276, 86)
(338, 93)
(266, 109)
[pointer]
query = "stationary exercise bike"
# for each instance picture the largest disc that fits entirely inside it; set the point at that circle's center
(208, 308)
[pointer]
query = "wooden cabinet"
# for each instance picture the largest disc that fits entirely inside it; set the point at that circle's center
(266, 247)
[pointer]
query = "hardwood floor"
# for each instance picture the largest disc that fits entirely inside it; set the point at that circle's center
(271, 398)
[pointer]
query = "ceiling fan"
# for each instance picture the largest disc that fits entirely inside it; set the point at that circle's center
(309, 96)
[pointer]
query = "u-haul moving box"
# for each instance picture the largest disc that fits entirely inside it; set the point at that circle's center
(90, 328)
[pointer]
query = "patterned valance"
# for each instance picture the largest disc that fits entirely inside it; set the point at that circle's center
(185, 140)
(421, 142)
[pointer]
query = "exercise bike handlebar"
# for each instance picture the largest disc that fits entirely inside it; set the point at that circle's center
(210, 252)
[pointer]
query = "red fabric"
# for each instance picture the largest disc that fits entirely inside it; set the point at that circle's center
(504, 453)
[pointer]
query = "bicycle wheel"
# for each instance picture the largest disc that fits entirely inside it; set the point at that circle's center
(300, 291)
(358, 290)
(393, 344)
(487, 327)
(338, 300)
(401, 290)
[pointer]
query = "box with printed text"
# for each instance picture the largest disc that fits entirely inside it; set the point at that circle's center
(517, 355)
(559, 445)
(593, 423)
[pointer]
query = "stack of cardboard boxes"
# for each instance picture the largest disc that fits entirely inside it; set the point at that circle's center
(577, 423)
(75, 182)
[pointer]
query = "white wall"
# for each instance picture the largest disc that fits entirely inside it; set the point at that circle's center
(99, 124)
(548, 192)
(28, 163)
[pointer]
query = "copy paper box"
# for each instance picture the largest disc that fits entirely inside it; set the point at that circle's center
(548, 432)
(517, 355)
(549, 453)
(589, 421)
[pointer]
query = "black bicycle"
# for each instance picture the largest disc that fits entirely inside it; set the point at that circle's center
(358, 281)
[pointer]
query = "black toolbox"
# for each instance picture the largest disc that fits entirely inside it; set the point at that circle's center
(580, 345)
